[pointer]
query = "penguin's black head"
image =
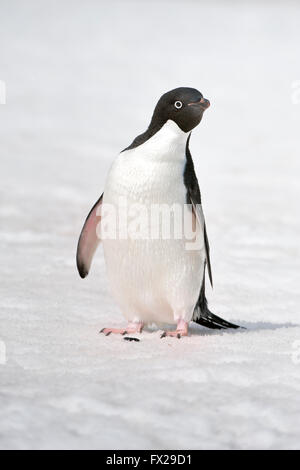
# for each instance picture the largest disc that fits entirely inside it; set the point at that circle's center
(185, 106)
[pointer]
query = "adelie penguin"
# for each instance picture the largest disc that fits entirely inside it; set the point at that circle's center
(156, 280)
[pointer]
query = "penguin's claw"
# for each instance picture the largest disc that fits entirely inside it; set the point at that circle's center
(107, 333)
(117, 331)
(175, 334)
(131, 328)
(181, 330)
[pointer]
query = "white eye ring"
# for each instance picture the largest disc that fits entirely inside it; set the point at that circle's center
(178, 104)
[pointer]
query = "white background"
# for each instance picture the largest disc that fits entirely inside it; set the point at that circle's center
(82, 79)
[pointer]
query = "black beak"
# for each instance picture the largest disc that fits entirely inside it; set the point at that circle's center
(203, 103)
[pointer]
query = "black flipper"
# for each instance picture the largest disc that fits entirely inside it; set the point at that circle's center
(202, 315)
(194, 198)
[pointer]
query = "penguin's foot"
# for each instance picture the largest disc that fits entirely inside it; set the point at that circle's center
(181, 330)
(132, 327)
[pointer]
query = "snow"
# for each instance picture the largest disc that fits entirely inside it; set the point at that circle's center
(81, 82)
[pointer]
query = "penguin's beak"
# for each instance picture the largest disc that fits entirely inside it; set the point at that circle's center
(203, 103)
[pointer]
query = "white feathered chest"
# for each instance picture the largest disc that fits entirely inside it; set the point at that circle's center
(153, 280)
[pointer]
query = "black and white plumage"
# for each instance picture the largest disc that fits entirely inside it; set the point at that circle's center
(202, 314)
(157, 280)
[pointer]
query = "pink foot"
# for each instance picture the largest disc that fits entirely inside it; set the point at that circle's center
(181, 330)
(131, 328)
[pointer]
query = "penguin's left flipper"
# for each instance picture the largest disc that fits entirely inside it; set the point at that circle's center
(88, 240)
(198, 211)
(202, 315)
(194, 198)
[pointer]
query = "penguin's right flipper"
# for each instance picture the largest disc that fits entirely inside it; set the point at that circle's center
(88, 240)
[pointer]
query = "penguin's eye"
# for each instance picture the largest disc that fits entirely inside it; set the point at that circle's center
(178, 104)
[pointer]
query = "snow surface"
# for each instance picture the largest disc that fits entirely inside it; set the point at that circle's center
(82, 79)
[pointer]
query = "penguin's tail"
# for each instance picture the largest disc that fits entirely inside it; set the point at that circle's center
(203, 316)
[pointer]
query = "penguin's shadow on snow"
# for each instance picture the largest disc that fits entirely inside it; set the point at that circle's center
(246, 327)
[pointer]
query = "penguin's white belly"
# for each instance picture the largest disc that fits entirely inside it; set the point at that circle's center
(153, 280)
